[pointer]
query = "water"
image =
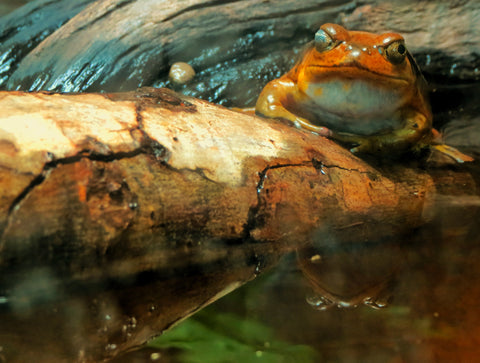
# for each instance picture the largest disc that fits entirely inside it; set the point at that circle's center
(430, 316)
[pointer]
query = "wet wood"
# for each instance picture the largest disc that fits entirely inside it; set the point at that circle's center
(134, 210)
(233, 46)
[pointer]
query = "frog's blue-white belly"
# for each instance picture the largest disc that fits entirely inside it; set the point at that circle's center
(355, 106)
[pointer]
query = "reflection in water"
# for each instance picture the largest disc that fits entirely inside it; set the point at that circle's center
(432, 275)
(38, 287)
(378, 297)
(346, 275)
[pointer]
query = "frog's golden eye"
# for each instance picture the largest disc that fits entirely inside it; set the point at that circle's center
(395, 52)
(323, 41)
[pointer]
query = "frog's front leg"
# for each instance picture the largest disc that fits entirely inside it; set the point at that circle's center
(281, 92)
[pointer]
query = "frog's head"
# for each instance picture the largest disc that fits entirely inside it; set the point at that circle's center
(337, 52)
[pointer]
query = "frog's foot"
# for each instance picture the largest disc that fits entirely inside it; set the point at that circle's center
(320, 130)
(453, 153)
(362, 144)
(450, 151)
(363, 147)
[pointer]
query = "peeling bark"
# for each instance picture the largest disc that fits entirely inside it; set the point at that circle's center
(150, 205)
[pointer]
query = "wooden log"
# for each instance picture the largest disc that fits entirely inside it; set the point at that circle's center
(124, 213)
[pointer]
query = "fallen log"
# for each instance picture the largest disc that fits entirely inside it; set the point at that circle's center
(124, 213)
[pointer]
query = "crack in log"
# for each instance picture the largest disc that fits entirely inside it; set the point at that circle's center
(319, 165)
(160, 152)
(263, 173)
(139, 118)
(254, 219)
(36, 181)
(48, 167)
(148, 146)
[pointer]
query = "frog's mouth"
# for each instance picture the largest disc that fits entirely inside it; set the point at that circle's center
(354, 71)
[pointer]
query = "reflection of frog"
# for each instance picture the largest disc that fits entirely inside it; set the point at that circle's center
(359, 88)
(346, 275)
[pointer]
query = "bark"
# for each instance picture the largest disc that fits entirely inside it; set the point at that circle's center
(143, 207)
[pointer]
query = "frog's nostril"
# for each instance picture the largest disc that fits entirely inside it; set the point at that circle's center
(366, 50)
(355, 53)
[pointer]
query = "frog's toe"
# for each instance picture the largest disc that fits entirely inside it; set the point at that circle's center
(450, 151)
(355, 150)
(361, 147)
(323, 131)
(319, 130)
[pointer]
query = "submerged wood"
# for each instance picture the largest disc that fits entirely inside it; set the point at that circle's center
(132, 211)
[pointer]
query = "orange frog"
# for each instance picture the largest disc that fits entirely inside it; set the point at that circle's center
(358, 88)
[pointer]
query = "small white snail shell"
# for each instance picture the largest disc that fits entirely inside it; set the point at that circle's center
(181, 73)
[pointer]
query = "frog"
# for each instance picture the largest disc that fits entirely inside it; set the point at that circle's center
(358, 88)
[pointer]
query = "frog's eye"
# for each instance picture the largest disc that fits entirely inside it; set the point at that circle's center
(396, 52)
(323, 41)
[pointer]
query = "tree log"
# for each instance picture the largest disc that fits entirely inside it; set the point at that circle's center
(131, 211)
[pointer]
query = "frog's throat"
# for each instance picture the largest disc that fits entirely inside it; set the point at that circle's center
(354, 105)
